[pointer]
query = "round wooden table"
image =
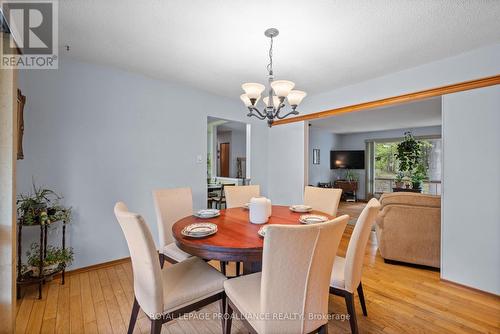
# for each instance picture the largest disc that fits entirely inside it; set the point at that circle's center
(236, 238)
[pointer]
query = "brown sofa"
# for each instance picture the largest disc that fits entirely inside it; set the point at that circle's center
(409, 228)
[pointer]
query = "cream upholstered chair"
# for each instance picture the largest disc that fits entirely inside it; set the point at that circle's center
(323, 199)
(171, 205)
(346, 274)
(240, 195)
(237, 196)
(165, 294)
(297, 263)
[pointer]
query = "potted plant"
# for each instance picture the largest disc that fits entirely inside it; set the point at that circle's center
(411, 159)
(399, 179)
(409, 152)
(351, 176)
(41, 206)
(418, 176)
(54, 258)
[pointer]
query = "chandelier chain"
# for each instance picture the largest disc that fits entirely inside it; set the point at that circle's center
(270, 65)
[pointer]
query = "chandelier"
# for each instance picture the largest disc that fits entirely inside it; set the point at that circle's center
(278, 91)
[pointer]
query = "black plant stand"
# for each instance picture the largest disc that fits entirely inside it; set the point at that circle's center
(28, 278)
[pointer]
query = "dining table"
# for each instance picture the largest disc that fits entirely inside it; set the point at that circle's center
(236, 239)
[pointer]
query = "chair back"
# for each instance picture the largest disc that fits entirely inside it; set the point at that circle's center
(237, 196)
(357, 245)
(171, 205)
(297, 265)
(323, 199)
(148, 287)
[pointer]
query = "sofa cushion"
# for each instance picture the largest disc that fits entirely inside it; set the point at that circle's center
(407, 198)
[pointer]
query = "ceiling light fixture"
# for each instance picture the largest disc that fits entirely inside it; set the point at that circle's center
(277, 92)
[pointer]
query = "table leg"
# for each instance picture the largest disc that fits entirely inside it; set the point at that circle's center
(251, 267)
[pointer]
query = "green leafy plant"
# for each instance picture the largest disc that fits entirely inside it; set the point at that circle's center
(54, 255)
(41, 206)
(418, 175)
(400, 176)
(409, 152)
(412, 158)
(350, 175)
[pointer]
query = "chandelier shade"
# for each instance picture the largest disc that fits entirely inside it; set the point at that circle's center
(253, 90)
(282, 87)
(246, 100)
(278, 90)
(295, 97)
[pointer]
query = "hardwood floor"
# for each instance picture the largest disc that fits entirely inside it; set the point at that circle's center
(399, 300)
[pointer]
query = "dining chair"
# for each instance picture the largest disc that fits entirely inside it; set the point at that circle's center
(171, 205)
(323, 199)
(296, 268)
(237, 196)
(346, 274)
(220, 198)
(165, 294)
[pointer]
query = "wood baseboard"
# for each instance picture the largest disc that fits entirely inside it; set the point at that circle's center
(470, 288)
(96, 266)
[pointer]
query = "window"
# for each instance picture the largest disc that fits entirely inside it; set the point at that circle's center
(386, 167)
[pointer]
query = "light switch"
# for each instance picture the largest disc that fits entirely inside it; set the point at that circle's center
(199, 159)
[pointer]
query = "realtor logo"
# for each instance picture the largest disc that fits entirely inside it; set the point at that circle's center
(31, 28)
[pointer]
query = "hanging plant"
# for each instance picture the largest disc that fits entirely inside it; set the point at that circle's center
(408, 154)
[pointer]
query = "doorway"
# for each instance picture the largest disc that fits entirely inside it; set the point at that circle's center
(224, 150)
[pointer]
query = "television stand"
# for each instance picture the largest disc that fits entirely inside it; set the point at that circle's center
(349, 188)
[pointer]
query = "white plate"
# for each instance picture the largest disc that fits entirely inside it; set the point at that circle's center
(262, 231)
(301, 208)
(199, 230)
(312, 219)
(207, 213)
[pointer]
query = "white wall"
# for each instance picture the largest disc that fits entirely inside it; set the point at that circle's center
(98, 135)
(325, 141)
(468, 66)
(471, 202)
(287, 164)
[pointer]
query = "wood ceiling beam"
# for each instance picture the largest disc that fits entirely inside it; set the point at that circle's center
(415, 96)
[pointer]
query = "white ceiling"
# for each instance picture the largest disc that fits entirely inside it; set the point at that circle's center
(409, 115)
(217, 45)
(232, 126)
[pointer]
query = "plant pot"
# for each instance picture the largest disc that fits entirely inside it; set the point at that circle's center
(416, 185)
(400, 184)
(46, 269)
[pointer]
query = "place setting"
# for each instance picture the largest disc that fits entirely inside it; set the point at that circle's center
(207, 213)
(199, 230)
(312, 219)
(301, 208)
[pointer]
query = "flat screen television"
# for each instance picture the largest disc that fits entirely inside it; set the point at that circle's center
(347, 159)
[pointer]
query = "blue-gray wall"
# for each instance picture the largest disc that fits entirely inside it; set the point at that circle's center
(99, 135)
